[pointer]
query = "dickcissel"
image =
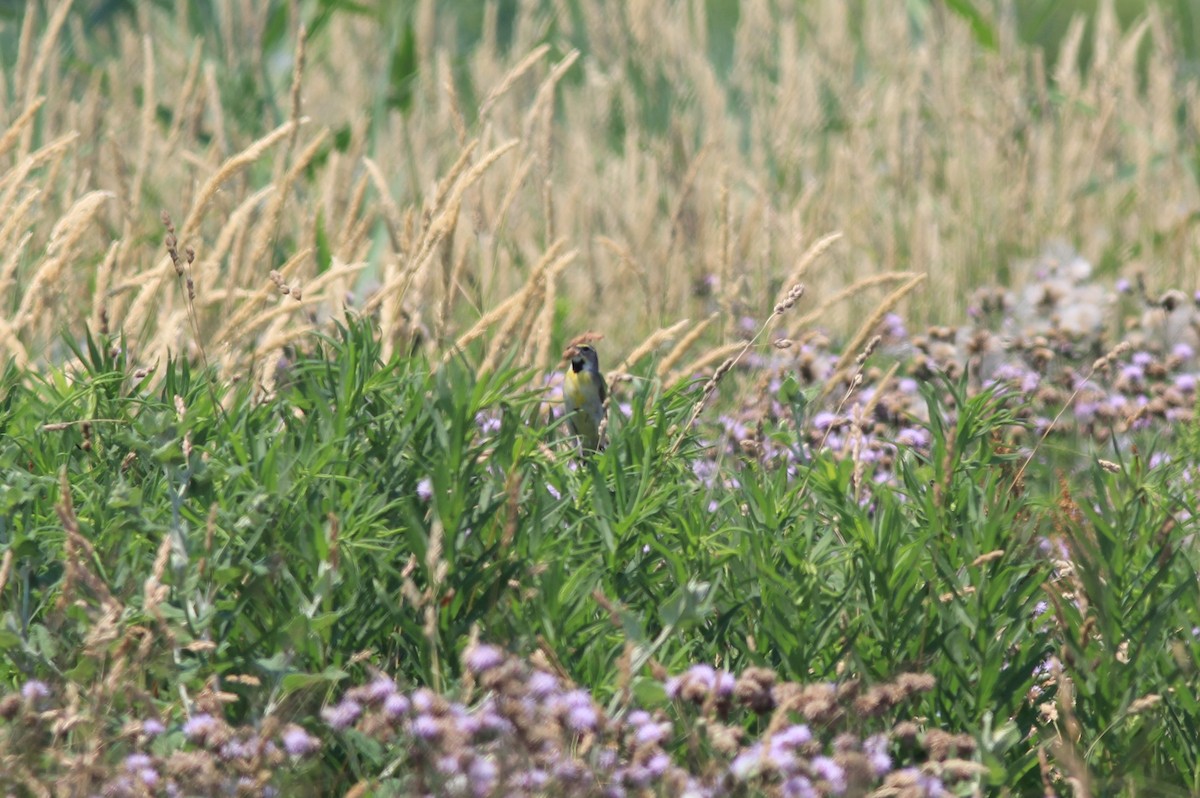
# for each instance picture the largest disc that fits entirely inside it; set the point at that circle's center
(584, 392)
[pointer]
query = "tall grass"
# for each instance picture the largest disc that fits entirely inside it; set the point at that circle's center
(280, 290)
(378, 166)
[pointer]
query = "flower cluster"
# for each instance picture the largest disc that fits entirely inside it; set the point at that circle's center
(201, 755)
(528, 732)
(1044, 344)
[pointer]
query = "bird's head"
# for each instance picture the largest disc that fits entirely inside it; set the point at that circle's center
(583, 356)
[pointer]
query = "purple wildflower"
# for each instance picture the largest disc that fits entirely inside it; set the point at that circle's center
(483, 658)
(34, 690)
(798, 787)
(396, 705)
(426, 727)
(482, 774)
(425, 489)
(831, 772)
(342, 715)
(298, 742)
(875, 747)
(541, 684)
(199, 726)
(139, 761)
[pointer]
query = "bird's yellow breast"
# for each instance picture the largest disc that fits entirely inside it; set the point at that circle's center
(579, 388)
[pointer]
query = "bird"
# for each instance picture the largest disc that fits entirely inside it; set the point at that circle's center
(584, 392)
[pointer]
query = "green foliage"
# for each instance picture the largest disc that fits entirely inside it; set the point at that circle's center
(400, 508)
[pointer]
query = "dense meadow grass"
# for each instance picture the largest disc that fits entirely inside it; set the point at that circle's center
(288, 506)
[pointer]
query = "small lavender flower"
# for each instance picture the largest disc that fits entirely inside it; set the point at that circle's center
(488, 425)
(483, 658)
(491, 721)
(379, 689)
(35, 690)
(426, 727)
(831, 772)
(342, 715)
(930, 786)
(533, 780)
(652, 733)
(875, 747)
(606, 759)
(725, 684)
(541, 684)
(793, 736)
(236, 749)
(447, 765)
(199, 726)
(396, 705)
(139, 761)
(657, 765)
(422, 699)
(425, 489)
(747, 764)
(823, 420)
(298, 742)
(582, 718)
(482, 775)
(1133, 372)
(798, 787)
(153, 727)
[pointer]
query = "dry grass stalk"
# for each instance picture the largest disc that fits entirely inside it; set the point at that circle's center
(442, 188)
(24, 52)
(208, 267)
(391, 211)
(653, 342)
(237, 325)
(810, 256)
(35, 74)
(13, 180)
(268, 228)
(544, 327)
(513, 305)
(5, 569)
(13, 134)
(228, 169)
(704, 361)
(511, 77)
(1100, 365)
(852, 290)
(63, 238)
(186, 97)
(440, 227)
(543, 100)
(683, 345)
(100, 291)
(865, 330)
(139, 312)
(148, 127)
(521, 312)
